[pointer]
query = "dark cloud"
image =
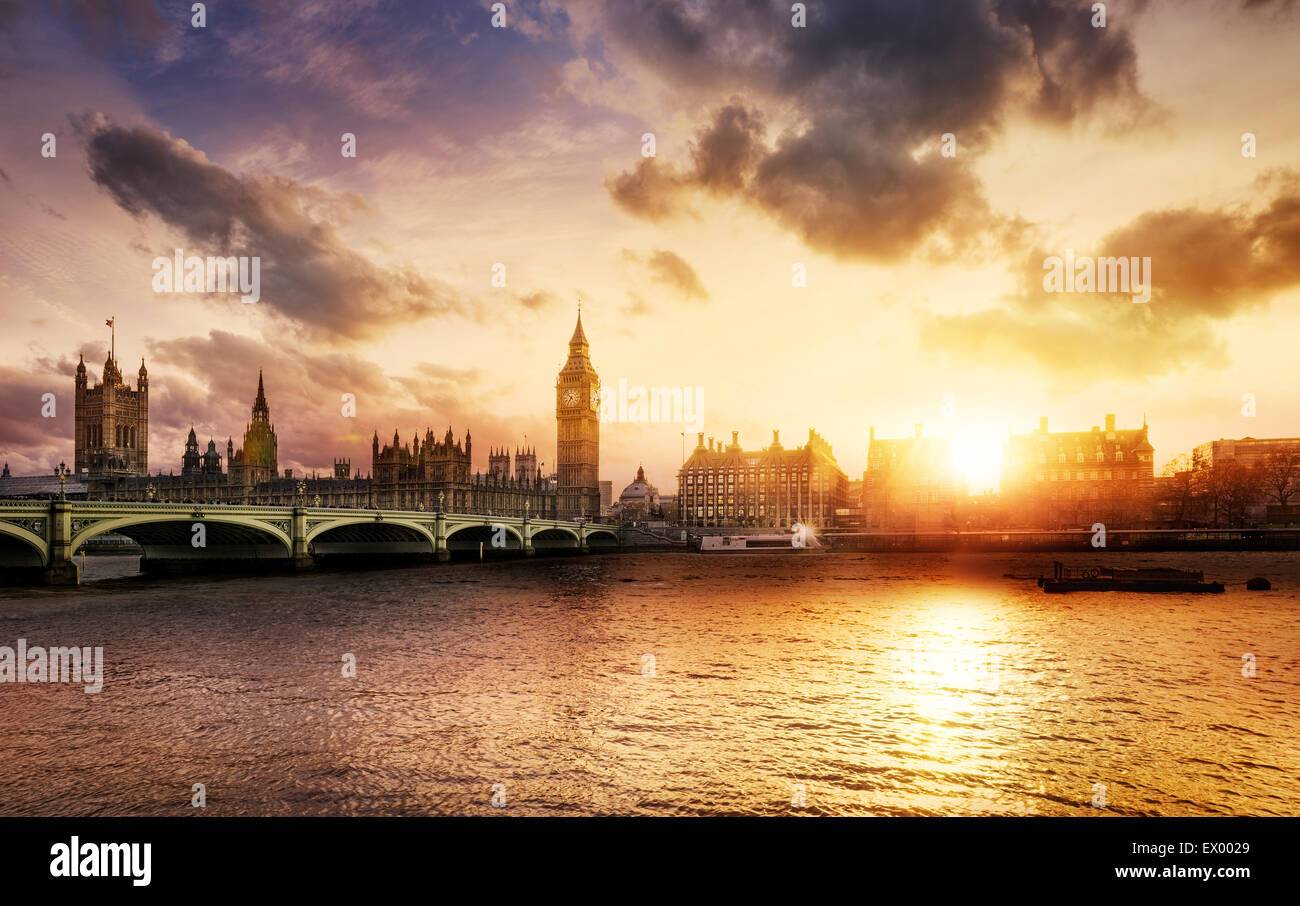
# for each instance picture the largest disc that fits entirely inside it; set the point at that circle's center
(869, 89)
(847, 194)
(836, 186)
(1078, 66)
(309, 274)
(725, 155)
(650, 190)
(1218, 262)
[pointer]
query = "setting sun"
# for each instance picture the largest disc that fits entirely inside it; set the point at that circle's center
(977, 456)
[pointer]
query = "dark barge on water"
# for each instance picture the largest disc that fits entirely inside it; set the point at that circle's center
(1106, 578)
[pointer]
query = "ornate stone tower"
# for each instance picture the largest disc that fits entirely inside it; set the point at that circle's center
(256, 460)
(111, 423)
(192, 461)
(526, 464)
(577, 423)
(498, 463)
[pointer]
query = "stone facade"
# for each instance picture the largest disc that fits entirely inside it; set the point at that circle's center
(423, 475)
(1075, 479)
(729, 486)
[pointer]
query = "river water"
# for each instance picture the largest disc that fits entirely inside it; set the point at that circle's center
(663, 684)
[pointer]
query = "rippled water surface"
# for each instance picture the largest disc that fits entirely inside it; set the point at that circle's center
(868, 685)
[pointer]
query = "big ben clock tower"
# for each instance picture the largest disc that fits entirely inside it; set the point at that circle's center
(577, 427)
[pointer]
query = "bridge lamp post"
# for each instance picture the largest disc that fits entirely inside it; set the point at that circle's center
(302, 491)
(149, 493)
(61, 472)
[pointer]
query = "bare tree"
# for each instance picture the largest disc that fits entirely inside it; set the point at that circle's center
(1280, 475)
(1243, 491)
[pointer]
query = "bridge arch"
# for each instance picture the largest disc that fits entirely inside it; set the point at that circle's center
(348, 536)
(469, 535)
(555, 537)
(602, 538)
(163, 532)
(20, 547)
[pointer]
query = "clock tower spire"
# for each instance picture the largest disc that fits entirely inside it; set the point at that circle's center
(577, 425)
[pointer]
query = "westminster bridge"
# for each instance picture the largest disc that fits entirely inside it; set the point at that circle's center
(39, 539)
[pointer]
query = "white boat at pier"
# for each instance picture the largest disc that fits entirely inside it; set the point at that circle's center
(797, 541)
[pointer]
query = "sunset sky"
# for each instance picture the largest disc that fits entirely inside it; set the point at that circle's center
(775, 146)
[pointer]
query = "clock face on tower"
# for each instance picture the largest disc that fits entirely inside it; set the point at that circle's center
(595, 399)
(571, 397)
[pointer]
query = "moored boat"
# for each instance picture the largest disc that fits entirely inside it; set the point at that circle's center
(772, 542)
(1108, 578)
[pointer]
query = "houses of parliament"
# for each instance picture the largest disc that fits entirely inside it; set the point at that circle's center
(425, 473)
